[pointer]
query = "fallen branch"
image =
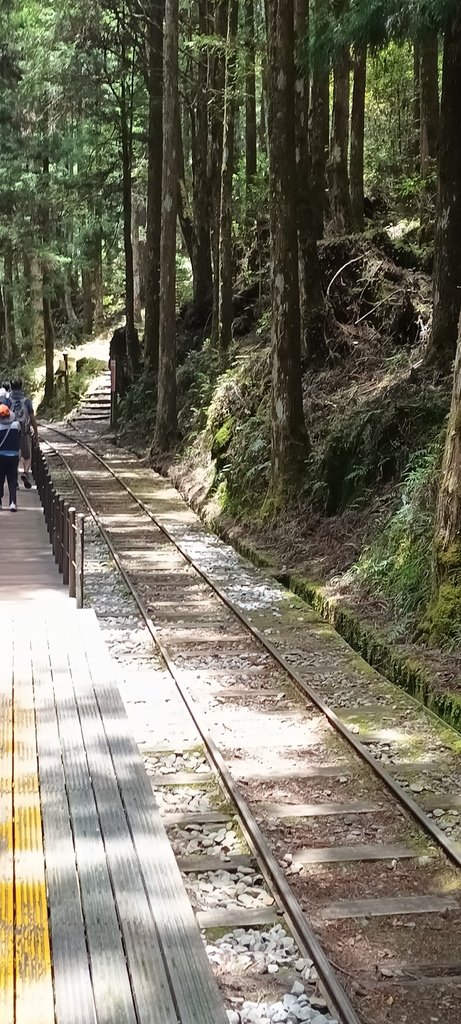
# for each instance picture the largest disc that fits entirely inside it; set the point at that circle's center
(370, 311)
(348, 264)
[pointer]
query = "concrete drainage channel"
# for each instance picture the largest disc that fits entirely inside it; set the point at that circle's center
(264, 976)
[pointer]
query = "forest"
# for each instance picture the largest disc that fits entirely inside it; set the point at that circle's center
(268, 196)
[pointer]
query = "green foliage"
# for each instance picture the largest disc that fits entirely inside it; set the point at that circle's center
(78, 384)
(196, 378)
(244, 479)
(398, 563)
(371, 445)
(138, 406)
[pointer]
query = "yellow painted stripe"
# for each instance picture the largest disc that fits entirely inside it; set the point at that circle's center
(34, 991)
(6, 831)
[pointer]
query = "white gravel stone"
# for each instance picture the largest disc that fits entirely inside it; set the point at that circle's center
(297, 988)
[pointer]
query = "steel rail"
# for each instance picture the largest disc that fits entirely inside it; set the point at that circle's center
(305, 936)
(452, 851)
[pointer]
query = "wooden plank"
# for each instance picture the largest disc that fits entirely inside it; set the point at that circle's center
(389, 907)
(6, 826)
(315, 810)
(196, 993)
(446, 802)
(111, 984)
(202, 862)
(33, 980)
(207, 817)
(150, 984)
(71, 974)
(361, 851)
(236, 918)
(181, 779)
(408, 767)
(248, 770)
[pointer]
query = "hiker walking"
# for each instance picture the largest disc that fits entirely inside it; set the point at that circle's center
(10, 443)
(24, 414)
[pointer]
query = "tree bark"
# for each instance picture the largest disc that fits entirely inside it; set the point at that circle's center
(312, 303)
(88, 308)
(136, 263)
(98, 282)
(49, 340)
(319, 132)
(339, 180)
(288, 436)
(429, 121)
(416, 133)
(10, 329)
(154, 186)
(358, 137)
(203, 285)
(132, 347)
(443, 618)
(72, 319)
(225, 233)
(447, 249)
(216, 151)
(166, 422)
(250, 99)
(262, 127)
(3, 349)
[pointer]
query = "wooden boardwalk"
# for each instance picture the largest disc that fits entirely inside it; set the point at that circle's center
(95, 924)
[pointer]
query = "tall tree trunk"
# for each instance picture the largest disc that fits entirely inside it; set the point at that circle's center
(447, 249)
(49, 340)
(132, 347)
(10, 329)
(262, 127)
(358, 137)
(184, 211)
(166, 423)
(98, 284)
(429, 79)
(250, 98)
(154, 186)
(88, 306)
(36, 288)
(136, 263)
(225, 234)
(201, 201)
(70, 311)
(310, 284)
(339, 180)
(443, 617)
(3, 349)
(416, 137)
(289, 438)
(319, 128)
(216, 150)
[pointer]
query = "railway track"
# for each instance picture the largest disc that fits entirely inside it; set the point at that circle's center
(366, 879)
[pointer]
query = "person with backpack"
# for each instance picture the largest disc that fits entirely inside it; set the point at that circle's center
(23, 411)
(10, 443)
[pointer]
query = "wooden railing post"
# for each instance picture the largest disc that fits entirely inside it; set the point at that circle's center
(72, 551)
(79, 558)
(65, 567)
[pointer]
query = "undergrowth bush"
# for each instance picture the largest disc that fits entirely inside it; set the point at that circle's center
(78, 383)
(397, 565)
(372, 444)
(139, 404)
